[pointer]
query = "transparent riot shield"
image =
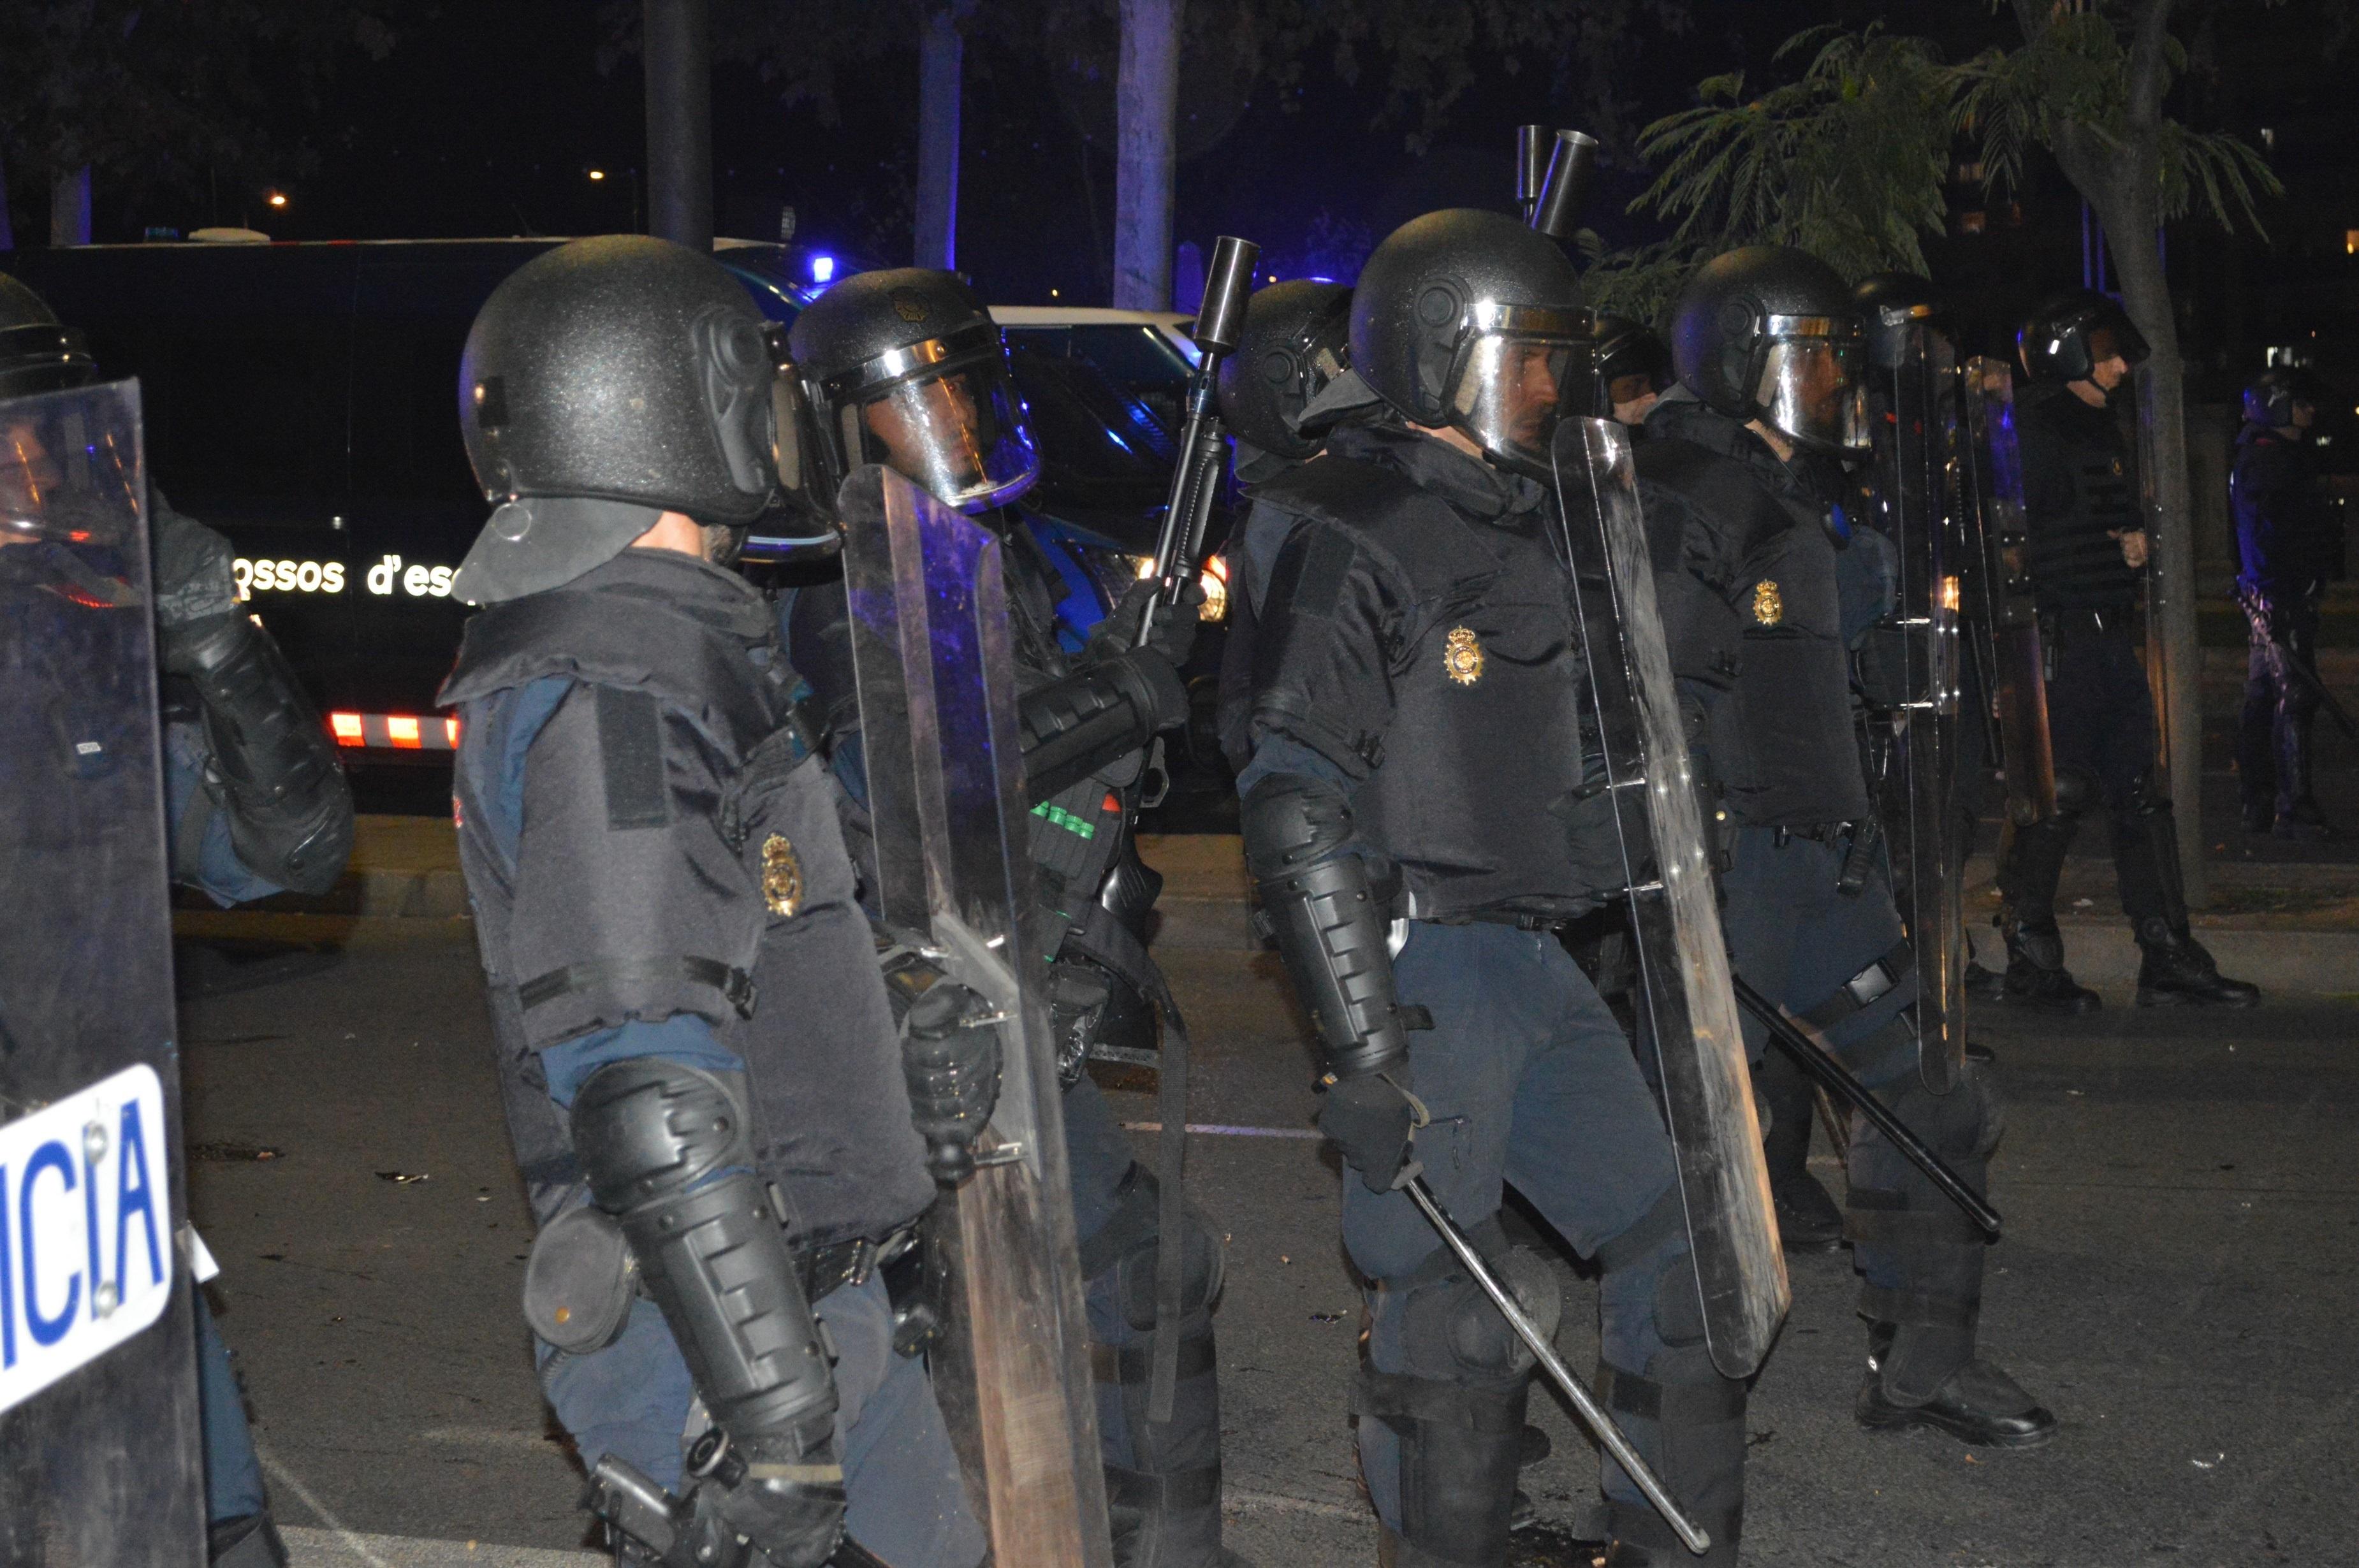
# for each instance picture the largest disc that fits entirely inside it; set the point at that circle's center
(937, 717)
(98, 1375)
(1683, 958)
(2000, 587)
(1913, 392)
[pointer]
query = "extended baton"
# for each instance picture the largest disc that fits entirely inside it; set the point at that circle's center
(1609, 1436)
(1821, 1064)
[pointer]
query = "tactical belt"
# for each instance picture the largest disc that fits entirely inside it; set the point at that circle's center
(1681, 1404)
(1816, 832)
(1862, 989)
(735, 986)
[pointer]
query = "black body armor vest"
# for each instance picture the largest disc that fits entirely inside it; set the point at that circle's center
(2078, 487)
(1469, 732)
(1781, 739)
(699, 754)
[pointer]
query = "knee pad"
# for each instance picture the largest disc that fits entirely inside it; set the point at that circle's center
(1203, 1269)
(1453, 1331)
(2075, 793)
(1963, 1124)
(1678, 1304)
(647, 1129)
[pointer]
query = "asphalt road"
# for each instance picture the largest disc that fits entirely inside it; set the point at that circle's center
(2176, 1282)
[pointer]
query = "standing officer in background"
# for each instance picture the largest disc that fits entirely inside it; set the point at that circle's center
(1417, 742)
(2088, 548)
(696, 1054)
(2288, 544)
(1740, 474)
(1632, 369)
(906, 369)
(255, 803)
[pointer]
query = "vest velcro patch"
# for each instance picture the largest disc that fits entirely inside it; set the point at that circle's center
(630, 752)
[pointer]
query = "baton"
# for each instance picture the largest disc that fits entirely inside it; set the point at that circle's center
(1609, 1436)
(2290, 669)
(1821, 1063)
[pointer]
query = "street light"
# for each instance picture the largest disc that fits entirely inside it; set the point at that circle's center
(598, 177)
(277, 198)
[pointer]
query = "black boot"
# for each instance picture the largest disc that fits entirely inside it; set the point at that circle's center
(1808, 1219)
(2178, 972)
(2297, 814)
(1983, 985)
(2036, 975)
(1977, 1403)
(250, 1541)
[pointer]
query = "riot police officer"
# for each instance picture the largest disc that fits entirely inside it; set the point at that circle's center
(696, 1054)
(255, 803)
(1741, 479)
(1416, 740)
(2288, 544)
(2088, 548)
(1632, 369)
(905, 368)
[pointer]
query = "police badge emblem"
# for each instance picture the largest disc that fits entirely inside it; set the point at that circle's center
(782, 876)
(1768, 606)
(1461, 656)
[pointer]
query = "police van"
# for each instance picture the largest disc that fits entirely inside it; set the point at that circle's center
(301, 397)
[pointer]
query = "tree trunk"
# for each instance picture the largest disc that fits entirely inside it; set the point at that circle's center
(70, 207)
(1147, 102)
(941, 54)
(7, 231)
(677, 51)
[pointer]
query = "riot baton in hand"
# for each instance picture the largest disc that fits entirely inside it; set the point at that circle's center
(2290, 670)
(1609, 1436)
(1821, 1064)
(1203, 443)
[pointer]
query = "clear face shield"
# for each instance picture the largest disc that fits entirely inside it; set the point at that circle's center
(1523, 369)
(1812, 389)
(945, 414)
(803, 525)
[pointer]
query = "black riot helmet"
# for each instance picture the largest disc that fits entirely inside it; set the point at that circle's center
(38, 352)
(2075, 332)
(1895, 308)
(1295, 340)
(1627, 349)
(610, 381)
(905, 368)
(1469, 319)
(2270, 399)
(1768, 332)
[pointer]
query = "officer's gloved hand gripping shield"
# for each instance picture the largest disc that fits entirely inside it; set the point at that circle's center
(938, 710)
(98, 1386)
(1674, 907)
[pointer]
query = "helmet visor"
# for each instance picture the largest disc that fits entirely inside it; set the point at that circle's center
(803, 523)
(1811, 390)
(959, 430)
(1513, 386)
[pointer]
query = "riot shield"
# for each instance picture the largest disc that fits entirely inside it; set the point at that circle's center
(1912, 659)
(930, 650)
(1682, 959)
(2000, 584)
(98, 1372)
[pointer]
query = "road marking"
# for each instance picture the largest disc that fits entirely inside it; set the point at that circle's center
(345, 1538)
(1213, 1129)
(1279, 1502)
(492, 1437)
(325, 1548)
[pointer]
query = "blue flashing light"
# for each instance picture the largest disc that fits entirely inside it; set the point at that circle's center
(822, 269)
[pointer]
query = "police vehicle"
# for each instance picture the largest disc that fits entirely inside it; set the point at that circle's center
(300, 398)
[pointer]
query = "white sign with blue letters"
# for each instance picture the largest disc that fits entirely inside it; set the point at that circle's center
(85, 1229)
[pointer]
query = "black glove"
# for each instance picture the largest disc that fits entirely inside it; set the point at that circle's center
(198, 620)
(1171, 628)
(1373, 1117)
(950, 1061)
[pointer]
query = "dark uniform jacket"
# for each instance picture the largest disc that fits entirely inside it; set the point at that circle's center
(2080, 487)
(648, 842)
(2287, 536)
(1747, 576)
(1416, 635)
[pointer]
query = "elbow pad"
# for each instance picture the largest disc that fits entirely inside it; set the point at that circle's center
(1331, 927)
(1089, 721)
(273, 767)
